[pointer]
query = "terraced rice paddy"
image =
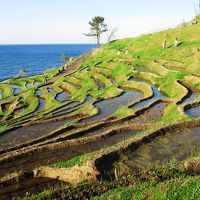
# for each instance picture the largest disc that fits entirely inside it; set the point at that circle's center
(103, 112)
(179, 145)
(34, 185)
(195, 112)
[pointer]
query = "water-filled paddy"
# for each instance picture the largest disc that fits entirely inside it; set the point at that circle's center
(108, 107)
(17, 89)
(38, 92)
(27, 133)
(41, 105)
(65, 153)
(70, 107)
(51, 91)
(156, 95)
(36, 83)
(191, 98)
(2, 94)
(179, 145)
(99, 84)
(67, 107)
(62, 96)
(194, 112)
(32, 185)
(28, 86)
(153, 113)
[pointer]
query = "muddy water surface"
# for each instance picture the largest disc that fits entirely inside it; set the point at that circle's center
(31, 186)
(153, 113)
(49, 157)
(174, 145)
(28, 133)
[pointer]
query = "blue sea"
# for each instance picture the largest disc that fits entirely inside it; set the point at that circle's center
(36, 58)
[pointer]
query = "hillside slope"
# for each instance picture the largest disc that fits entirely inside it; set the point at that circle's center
(131, 119)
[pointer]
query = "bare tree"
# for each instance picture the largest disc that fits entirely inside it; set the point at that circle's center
(65, 57)
(22, 73)
(111, 34)
(195, 10)
(197, 7)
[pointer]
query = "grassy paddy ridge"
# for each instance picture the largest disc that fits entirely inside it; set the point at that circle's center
(115, 120)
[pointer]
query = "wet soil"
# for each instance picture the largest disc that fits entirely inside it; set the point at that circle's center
(53, 156)
(72, 67)
(67, 107)
(30, 186)
(143, 69)
(28, 133)
(70, 107)
(18, 110)
(99, 84)
(179, 145)
(152, 114)
(4, 107)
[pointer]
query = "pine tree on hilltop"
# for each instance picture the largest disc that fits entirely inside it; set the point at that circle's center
(97, 28)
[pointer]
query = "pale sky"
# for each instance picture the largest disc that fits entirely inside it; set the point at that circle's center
(64, 21)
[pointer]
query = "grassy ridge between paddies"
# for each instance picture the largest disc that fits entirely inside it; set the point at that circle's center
(6, 90)
(183, 188)
(169, 181)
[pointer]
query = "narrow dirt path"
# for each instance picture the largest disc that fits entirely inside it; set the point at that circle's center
(72, 67)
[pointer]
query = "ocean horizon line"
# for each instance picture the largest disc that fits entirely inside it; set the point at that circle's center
(19, 44)
(36, 58)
